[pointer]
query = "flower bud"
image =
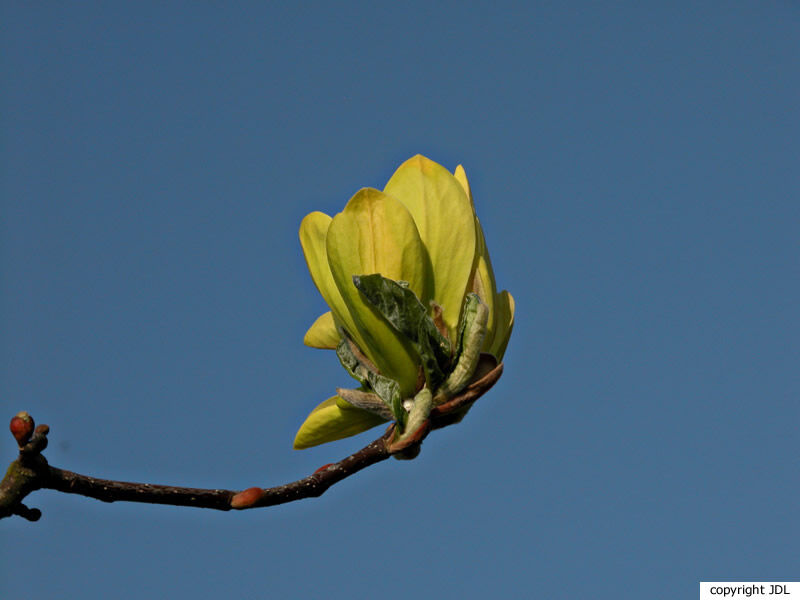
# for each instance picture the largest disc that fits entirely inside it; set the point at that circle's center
(22, 427)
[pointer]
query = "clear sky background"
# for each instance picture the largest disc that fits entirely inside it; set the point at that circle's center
(635, 166)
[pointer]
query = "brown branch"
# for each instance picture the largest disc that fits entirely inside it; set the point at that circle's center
(31, 471)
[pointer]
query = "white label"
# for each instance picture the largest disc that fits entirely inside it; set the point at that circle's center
(741, 590)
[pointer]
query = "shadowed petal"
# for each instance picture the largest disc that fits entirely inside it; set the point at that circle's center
(483, 282)
(334, 419)
(504, 303)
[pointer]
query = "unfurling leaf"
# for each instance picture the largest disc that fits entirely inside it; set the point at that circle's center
(406, 313)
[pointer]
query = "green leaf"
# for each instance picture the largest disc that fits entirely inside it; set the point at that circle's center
(334, 419)
(472, 330)
(406, 313)
(366, 400)
(420, 411)
(388, 390)
(354, 361)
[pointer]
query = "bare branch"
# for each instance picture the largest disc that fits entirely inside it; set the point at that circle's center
(31, 471)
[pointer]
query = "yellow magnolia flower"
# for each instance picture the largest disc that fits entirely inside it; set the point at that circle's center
(407, 276)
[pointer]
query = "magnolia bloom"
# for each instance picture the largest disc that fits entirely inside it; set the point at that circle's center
(407, 276)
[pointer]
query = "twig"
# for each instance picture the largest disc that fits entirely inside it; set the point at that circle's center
(31, 471)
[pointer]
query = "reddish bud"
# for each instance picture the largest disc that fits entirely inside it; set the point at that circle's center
(21, 427)
(322, 468)
(247, 498)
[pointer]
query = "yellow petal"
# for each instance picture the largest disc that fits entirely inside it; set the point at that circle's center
(483, 282)
(333, 419)
(461, 176)
(376, 234)
(313, 233)
(323, 333)
(446, 223)
(504, 303)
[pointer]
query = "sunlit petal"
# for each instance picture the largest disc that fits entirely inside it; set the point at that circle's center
(376, 234)
(461, 176)
(323, 333)
(446, 224)
(313, 233)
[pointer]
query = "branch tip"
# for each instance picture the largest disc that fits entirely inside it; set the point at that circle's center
(22, 427)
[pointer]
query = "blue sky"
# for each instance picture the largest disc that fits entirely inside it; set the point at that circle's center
(634, 165)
